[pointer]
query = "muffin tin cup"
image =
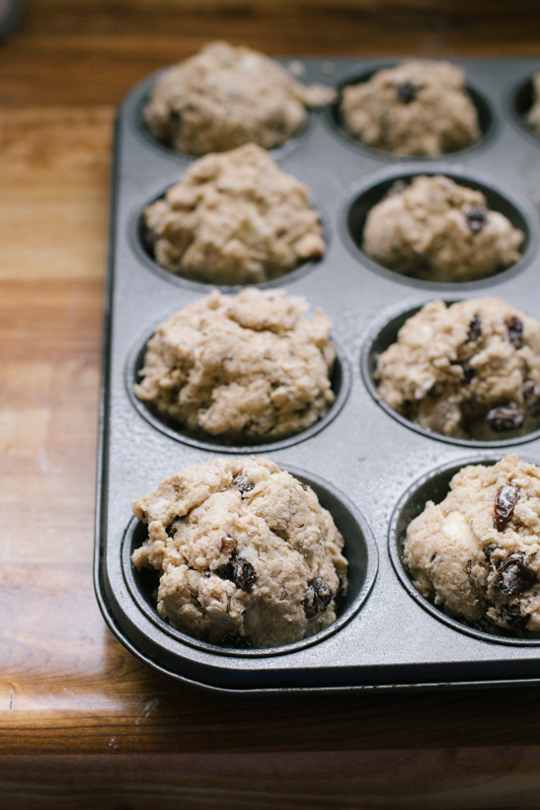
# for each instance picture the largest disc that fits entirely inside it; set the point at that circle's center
(140, 95)
(366, 195)
(434, 487)
(382, 336)
(362, 457)
(340, 380)
(333, 119)
(136, 240)
(360, 550)
(519, 101)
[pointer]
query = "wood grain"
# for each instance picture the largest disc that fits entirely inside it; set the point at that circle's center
(391, 778)
(91, 52)
(81, 721)
(54, 178)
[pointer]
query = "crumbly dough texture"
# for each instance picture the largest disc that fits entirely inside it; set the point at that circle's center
(533, 116)
(246, 554)
(461, 561)
(234, 218)
(224, 97)
(437, 230)
(420, 107)
(247, 368)
(452, 365)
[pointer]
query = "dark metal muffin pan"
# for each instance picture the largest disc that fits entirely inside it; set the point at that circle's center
(368, 466)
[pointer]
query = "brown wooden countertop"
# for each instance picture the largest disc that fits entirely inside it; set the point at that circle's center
(82, 723)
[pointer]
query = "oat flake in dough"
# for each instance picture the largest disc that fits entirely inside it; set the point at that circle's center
(226, 96)
(437, 230)
(247, 368)
(234, 218)
(459, 559)
(420, 107)
(246, 554)
(451, 367)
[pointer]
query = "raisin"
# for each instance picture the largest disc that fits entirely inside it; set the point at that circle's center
(531, 397)
(514, 576)
(475, 329)
(407, 91)
(476, 218)
(304, 486)
(505, 502)
(488, 551)
(244, 575)
(505, 417)
(317, 598)
(515, 332)
(239, 571)
(467, 372)
(512, 615)
(243, 485)
(172, 528)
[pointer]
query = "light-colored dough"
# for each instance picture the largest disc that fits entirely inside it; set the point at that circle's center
(437, 230)
(247, 556)
(533, 116)
(458, 558)
(235, 218)
(452, 365)
(439, 117)
(224, 97)
(248, 368)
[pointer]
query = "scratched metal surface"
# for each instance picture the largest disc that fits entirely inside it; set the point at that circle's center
(365, 462)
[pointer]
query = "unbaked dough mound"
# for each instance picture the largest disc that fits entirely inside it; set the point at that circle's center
(476, 554)
(533, 116)
(246, 554)
(470, 370)
(243, 369)
(437, 230)
(235, 218)
(224, 97)
(420, 107)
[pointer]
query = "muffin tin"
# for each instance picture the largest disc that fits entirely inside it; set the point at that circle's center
(369, 466)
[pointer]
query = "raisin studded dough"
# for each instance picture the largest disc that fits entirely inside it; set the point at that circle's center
(224, 97)
(235, 218)
(533, 116)
(437, 230)
(420, 107)
(247, 556)
(247, 368)
(476, 554)
(470, 370)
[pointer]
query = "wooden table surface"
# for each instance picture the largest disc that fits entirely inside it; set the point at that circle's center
(81, 721)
